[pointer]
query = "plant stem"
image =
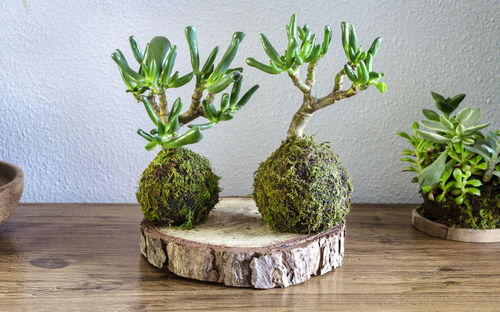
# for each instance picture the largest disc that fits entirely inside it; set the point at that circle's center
(195, 109)
(163, 106)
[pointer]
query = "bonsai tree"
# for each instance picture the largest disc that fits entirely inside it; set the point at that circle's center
(179, 186)
(457, 166)
(302, 187)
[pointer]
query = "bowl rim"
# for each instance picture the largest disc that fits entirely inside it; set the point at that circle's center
(19, 176)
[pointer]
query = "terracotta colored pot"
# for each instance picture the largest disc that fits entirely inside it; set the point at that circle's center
(11, 189)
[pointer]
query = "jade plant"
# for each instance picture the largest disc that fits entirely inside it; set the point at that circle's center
(179, 186)
(302, 187)
(457, 166)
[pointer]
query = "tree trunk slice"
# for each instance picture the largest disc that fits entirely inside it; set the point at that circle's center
(234, 247)
(457, 234)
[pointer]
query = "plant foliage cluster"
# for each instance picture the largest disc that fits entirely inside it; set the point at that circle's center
(456, 164)
(156, 75)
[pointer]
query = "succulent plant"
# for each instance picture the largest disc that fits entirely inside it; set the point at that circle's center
(303, 187)
(453, 159)
(302, 48)
(155, 75)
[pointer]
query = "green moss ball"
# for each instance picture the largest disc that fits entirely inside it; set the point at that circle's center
(302, 187)
(178, 188)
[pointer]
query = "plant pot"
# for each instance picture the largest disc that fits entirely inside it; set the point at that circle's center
(451, 233)
(11, 189)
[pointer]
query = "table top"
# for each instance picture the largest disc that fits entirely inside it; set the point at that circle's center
(86, 257)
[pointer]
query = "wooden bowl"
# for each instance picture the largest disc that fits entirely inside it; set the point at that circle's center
(11, 189)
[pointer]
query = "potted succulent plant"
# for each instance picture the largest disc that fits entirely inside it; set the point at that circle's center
(179, 187)
(458, 172)
(302, 187)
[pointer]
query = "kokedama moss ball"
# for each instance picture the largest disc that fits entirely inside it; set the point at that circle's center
(302, 187)
(178, 188)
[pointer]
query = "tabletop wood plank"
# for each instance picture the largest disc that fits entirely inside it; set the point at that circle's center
(86, 257)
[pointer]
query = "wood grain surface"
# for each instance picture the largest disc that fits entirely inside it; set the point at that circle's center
(236, 248)
(86, 257)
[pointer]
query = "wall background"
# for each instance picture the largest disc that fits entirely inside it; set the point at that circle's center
(67, 122)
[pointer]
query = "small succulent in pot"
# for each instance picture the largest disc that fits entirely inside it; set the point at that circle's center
(302, 187)
(179, 186)
(457, 166)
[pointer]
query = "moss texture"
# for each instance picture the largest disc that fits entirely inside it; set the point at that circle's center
(477, 212)
(178, 188)
(302, 187)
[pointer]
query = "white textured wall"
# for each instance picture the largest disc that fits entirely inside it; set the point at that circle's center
(66, 120)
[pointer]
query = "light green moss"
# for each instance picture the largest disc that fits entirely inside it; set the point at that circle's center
(178, 188)
(302, 187)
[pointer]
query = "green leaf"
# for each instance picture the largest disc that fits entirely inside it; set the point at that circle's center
(351, 74)
(431, 174)
(437, 97)
(404, 135)
(135, 49)
(434, 125)
(474, 191)
(192, 40)
(151, 112)
(459, 200)
(270, 51)
(254, 63)
(353, 39)
(174, 114)
(374, 47)
(407, 152)
(245, 98)
(151, 145)
(410, 169)
(327, 37)
(473, 118)
(433, 137)
(169, 65)
(430, 114)
(179, 82)
(456, 100)
(191, 136)
(210, 111)
(224, 82)
(472, 130)
(408, 159)
(156, 51)
(291, 51)
(224, 102)
(145, 135)
(474, 182)
(210, 61)
(345, 38)
(363, 72)
(380, 86)
(228, 57)
(446, 123)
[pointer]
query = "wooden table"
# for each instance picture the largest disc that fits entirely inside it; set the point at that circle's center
(86, 257)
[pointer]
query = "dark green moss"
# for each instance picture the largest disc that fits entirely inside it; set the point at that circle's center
(178, 188)
(302, 187)
(477, 212)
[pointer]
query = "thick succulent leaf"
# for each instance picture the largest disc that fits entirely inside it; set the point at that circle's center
(430, 114)
(433, 137)
(432, 173)
(157, 51)
(434, 125)
(191, 136)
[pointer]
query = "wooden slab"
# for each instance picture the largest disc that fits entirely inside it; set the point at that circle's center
(234, 247)
(457, 234)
